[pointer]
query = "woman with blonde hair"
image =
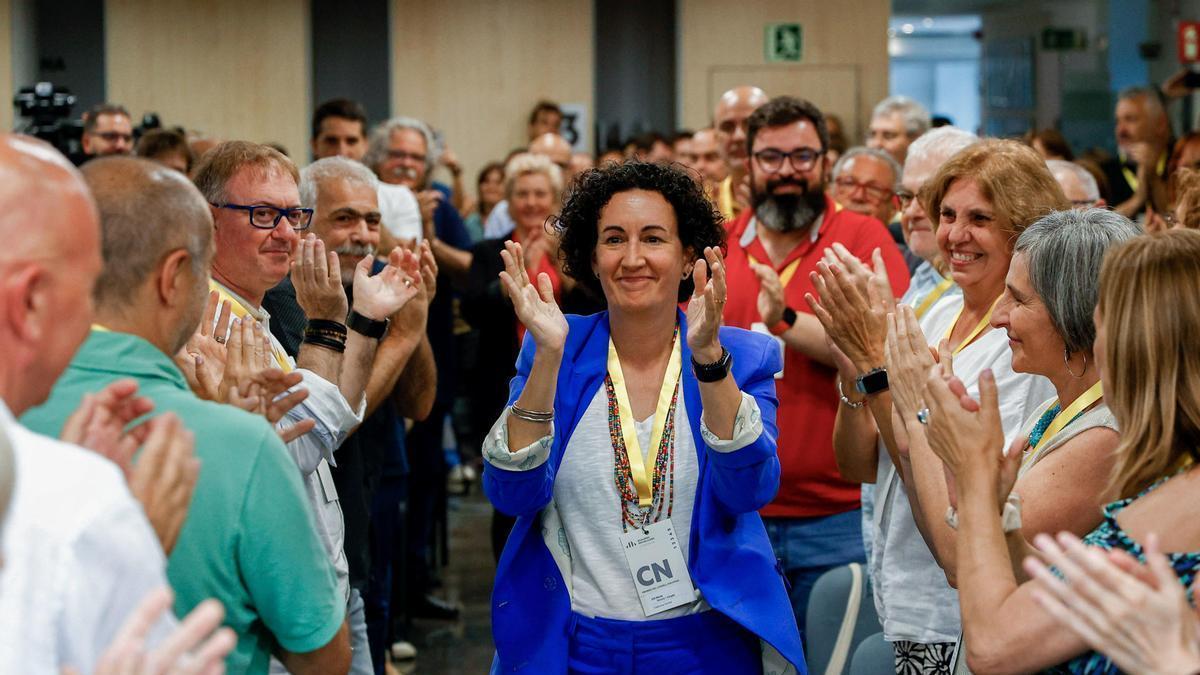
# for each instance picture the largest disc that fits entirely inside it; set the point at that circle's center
(1151, 374)
(980, 200)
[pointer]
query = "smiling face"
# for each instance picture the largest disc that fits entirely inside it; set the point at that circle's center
(972, 240)
(639, 256)
(531, 203)
(251, 260)
(1036, 345)
(347, 219)
(914, 222)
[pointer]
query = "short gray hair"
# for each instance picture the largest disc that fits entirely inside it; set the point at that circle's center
(381, 138)
(332, 168)
(916, 117)
(1064, 251)
(1084, 176)
(939, 145)
(526, 163)
(1152, 95)
(874, 153)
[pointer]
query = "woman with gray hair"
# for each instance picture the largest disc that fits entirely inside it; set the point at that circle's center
(1067, 444)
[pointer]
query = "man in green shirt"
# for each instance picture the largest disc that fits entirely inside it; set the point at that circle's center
(249, 537)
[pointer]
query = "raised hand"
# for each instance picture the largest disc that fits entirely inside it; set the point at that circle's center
(1136, 615)
(851, 309)
(99, 423)
(705, 309)
(770, 302)
(165, 476)
(202, 359)
(908, 362)
(197, 647)
(428, 201)
(317, 277)
(382, 295)
(429, 271)
(535, 307)
(964, 438)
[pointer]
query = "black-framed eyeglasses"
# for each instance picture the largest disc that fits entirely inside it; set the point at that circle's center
(266, 217)
(114, 136)
(905, 197)
(802, 159)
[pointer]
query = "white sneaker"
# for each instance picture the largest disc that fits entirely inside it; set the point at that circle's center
(403, 650)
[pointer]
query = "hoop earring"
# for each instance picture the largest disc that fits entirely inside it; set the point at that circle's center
(1067, 363)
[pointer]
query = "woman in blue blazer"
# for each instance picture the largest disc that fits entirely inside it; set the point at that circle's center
(637, 447)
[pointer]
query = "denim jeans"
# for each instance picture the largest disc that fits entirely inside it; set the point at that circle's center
(809, 547)
(360, 657)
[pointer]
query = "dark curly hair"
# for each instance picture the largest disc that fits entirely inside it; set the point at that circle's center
(577, 225)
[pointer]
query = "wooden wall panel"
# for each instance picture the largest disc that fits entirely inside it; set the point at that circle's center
(844, 66)
(474, 69)
(229, 68)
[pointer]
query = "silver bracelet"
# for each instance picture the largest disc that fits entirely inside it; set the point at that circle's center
(531, 415)
(847, 401)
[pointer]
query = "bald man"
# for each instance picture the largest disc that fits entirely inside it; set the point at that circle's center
(79, 553)
(499, 222)
(729, 121)
(157, 239)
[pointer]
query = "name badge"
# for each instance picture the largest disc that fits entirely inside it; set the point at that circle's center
(761, 327)
(660, 573)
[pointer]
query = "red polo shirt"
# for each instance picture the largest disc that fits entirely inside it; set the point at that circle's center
(810, 484)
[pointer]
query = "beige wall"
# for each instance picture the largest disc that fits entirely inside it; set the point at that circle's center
(229, 68)
(844, 67)
(475, 69)
(6, 65)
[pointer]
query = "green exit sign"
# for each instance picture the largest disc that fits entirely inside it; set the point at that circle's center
(783, 42)
(1063, 39)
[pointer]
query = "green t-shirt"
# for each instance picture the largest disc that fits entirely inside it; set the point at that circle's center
(249, 538)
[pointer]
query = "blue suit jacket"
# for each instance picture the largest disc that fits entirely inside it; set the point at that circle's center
(730, 557)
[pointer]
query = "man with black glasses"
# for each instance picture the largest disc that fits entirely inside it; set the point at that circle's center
(814, 521)
(258, 222)
(107, 130)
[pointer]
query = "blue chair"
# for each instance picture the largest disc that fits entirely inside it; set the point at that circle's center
(874, 656)
(841, 614)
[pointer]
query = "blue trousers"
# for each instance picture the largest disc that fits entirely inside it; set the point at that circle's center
(810, 547)
(702, 643)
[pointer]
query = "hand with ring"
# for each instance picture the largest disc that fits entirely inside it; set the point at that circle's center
(202, 359)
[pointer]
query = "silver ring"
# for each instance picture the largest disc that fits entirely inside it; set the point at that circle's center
(923, 416)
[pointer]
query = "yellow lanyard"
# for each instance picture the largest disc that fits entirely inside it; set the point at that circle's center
(238, 309)
(1064, 417)
(633, 449)
(788, 272)
(1131, 177)
(983, 323)
(937, 292)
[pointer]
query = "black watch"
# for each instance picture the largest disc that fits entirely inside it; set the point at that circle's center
(715, 371)
(872, 382)
(364, 326)
(789, 316)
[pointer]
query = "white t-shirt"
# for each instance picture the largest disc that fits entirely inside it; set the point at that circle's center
(79, 556)
(590, 508)
(400, 211)
(912, 597)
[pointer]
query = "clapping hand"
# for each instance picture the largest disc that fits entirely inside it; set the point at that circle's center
(253, 383)
(908, 362)
(197, 647)
(202, 359)
(535, 307)
(382, 295)
(317, 277)
(99, 423)
(853, 304)
(770, 301)
(704, 312)
(1137, 615)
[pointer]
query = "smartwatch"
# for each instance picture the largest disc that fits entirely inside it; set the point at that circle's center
(364, 326)
(785, 322)
(872, 382)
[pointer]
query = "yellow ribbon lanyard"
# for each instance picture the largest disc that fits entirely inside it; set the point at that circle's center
(241, 311)
(1064, 417)
(633, 449)
(1131, 177)
(934, 295)
(983, 323)
(788, 272)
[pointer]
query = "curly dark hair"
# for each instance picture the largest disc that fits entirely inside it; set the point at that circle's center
(577, 225)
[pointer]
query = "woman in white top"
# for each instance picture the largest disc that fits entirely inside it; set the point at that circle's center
(981, 200)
